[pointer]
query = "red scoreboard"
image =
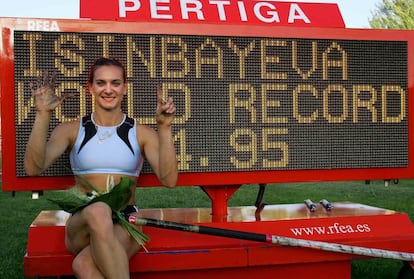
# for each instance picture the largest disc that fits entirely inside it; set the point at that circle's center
(255, 104)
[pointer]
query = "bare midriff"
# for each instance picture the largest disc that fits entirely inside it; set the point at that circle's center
(100, 181)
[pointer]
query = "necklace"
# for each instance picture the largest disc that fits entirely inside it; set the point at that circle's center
(105, 135)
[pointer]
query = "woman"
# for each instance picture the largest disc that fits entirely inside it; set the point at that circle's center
(105, 144)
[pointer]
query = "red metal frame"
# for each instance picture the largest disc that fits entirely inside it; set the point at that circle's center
(179, 254)
(13, 183)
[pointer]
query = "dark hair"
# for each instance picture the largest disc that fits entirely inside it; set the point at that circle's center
(105, 61)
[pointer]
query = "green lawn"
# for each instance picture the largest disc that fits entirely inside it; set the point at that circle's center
(18, 212)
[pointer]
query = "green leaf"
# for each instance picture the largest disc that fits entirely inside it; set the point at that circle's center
(117, 199)
(69, 200)
(139, 236)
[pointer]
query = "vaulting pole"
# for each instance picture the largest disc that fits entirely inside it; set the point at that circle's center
(326, 246)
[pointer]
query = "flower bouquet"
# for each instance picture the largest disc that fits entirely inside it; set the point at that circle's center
(116, 197)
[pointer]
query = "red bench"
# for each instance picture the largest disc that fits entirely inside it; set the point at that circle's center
(176, 254)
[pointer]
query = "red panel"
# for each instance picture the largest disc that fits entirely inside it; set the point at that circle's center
(337, 270)
(47, 265)
(270, 13)
(55, 244)
(183, 253)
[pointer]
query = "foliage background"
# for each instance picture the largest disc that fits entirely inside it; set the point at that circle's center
(393, 14)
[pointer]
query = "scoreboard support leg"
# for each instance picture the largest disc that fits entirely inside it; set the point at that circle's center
(219, 196)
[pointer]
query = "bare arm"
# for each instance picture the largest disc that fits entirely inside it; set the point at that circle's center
(41, 153)
(159, 146)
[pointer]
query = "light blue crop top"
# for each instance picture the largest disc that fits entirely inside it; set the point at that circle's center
(109, 150)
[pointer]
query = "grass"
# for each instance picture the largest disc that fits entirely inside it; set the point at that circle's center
(19, 211)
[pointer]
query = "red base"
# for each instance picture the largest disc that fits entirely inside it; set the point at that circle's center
(337, 270)
(177, 254)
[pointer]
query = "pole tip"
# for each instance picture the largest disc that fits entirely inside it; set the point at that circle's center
(132, 219)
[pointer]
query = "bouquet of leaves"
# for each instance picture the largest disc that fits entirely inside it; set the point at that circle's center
(116, 197)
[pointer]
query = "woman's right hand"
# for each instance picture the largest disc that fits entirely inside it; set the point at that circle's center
(43, 93)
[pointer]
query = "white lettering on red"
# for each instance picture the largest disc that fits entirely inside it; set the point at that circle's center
(274, 16)
(124, 8)
(155, 8)
(42, 25)
(191, 6)
(335, 228)
(296, 13)
(220, 8)
(242, 11)
(264, 11)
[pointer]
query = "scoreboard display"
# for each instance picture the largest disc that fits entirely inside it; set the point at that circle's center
(265, 104)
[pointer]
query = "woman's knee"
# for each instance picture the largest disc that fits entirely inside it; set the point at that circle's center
(97, 215)
(83, 266)
(96, 209)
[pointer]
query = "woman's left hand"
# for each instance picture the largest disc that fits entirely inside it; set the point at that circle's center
(165, 109)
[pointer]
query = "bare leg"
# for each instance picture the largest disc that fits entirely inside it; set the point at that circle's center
(84, 267)
(101, 247)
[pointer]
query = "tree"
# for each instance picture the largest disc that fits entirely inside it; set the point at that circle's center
(393, 14)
